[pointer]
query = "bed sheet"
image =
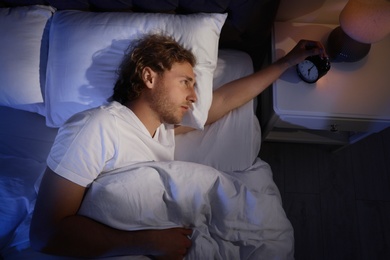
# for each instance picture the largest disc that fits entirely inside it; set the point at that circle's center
(25, 141)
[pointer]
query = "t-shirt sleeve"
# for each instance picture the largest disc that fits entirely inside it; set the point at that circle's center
(83, 147)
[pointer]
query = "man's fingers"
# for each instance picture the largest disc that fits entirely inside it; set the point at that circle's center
(314, 48)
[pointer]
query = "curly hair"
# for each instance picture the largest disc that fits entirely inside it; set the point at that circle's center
(156, 51)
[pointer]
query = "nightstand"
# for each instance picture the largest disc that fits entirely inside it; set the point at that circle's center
(350, 102)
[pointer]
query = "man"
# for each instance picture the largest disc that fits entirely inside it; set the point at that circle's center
(154, 90)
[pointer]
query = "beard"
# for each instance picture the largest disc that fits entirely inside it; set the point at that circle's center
(166, 109)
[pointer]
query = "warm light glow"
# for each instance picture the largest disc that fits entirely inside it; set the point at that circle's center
(366, 21)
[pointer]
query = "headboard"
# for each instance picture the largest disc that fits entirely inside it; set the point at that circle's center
(247, 28)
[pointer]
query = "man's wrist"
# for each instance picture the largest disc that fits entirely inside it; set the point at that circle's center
(284, 63)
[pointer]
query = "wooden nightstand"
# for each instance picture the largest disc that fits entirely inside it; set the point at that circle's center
(350, 102)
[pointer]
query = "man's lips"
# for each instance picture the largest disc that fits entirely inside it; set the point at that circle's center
(187, 106)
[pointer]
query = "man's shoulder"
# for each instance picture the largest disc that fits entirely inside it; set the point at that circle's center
(100, 115)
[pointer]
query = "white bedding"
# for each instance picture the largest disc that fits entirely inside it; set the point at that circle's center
(230, 145)
(236, 215)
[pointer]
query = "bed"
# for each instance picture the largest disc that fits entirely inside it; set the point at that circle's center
(60, 58)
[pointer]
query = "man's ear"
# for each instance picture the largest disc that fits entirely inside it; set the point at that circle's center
(149, 77)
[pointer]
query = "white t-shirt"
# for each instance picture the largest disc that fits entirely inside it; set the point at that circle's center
(102, 139)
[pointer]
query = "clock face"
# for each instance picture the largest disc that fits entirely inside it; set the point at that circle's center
(308, 71)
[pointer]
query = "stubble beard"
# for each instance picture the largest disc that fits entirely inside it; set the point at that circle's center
(164, 107)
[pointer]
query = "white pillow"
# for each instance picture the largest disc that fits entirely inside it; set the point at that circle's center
(86, 49)
(23, 50)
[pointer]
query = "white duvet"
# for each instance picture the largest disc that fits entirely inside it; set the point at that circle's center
(236, 215)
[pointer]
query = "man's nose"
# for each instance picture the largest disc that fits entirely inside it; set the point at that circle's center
(192, 96)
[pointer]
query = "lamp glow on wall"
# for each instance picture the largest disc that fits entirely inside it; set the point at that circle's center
(362, 22)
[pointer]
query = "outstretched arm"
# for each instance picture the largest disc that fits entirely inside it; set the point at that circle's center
(57, 229)
(238, 92)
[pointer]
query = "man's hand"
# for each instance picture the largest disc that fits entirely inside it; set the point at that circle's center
(171, 243)
(302, 50)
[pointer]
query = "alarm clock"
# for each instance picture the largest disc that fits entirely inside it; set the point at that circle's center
(313, 68)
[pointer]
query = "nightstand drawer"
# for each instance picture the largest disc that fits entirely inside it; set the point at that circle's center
(330, 124)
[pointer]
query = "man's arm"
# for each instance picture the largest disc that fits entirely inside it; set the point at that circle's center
(57, 229)
(238, 92)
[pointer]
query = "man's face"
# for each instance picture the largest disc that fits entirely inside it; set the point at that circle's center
(174, 93)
